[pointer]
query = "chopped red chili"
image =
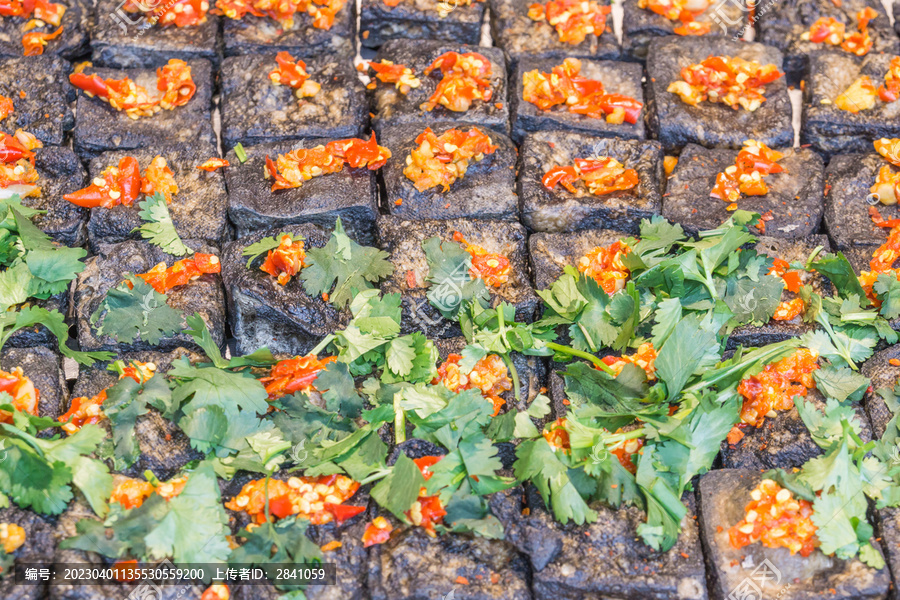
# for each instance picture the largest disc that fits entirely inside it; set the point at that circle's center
(745, 176)
(123, 184)
(601, 176)
(292, 169)
(25, 397)
(295, 375)
(491, 267)
(890, 91)
(182, 272)
(317, 499)
(731, 81)
(174, 13)
(323, 12)
(684, 11)
(377, 532)
(6, 107)
(293, 74)
(400, 75)
(489, 375)
(777, 520)
(573, 20)
(466, 78)
(286, 260)
(441, 160)
(213, 164)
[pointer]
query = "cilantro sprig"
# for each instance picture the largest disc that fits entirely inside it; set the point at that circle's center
(158, 227)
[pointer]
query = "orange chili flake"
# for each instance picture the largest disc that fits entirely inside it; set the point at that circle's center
(890, 91)
(12, 537)
(332, 545)
(34, 42)
(573, 20)
(465, 78)
(6, 107)
(602, 175)
(777, 520)
(441, 160)
(645, 358)
(25, 396)
(605, 266)
(182, 272)
(83, 410)
(731, 81)
(400, 75)
(745, 176)
(294, 375)
(426, 511)
(292, 169)
(625, 450)
(564, 86)
(17, 172)
(131, 493)
(116, 185)
(894, 362)
(174, 80)
(323, 12)
(491, 267)
(775, 387)
(175, 13)
(292, 73)
(676, 10)
(669, 164)
(286, 260)
(861, 95)
(377, 532)
(790, 309)
(318, 499)
(462, 580)
(887, 183)
(860, 43)
(489, 375)
(217, 591)
(557, 436)
(158, 177)
(213, 164)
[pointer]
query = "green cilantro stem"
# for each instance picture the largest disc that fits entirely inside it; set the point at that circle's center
(625, 435)
(399, 420)
(585, 355)
(379, 474)
(514, 373)
(323, 344)
(240, 153)
(809, 261)
(118, 367)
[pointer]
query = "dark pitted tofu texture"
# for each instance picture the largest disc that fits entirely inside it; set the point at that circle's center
(402, 240)
(419, 20)
(198, 209)
(792, 251)
(262, 312)
(71, 43)
(39, 546)
(44, 111)
(108, 269)
(531, 369)
(831, 130)
(519, 36)
(486, 191)
(164, 448)
(552, 252)
(723, 495)
(640, 26)
(559, 210)
(256, 111)
(795, 199)
(119, 39)
(604, 559)
(617, 77)
(59, 172)
(782, 442)
(711, 124)
(39, 335)
(785, 22)
(99, 127)
(392, 108)
(43, 367)
(848, 179)
(350, 194)
(883, 375)
(257, 35)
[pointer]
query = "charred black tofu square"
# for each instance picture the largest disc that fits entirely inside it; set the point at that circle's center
(723, 495)
(306, 36)
(198, 208)
(465, 83)
(109, 269)
(164, 448)
(803, 28)
(100, 127)
(456, 21)
(43, 368)
(480, 173)
(257, 110)
(39, 90)
(788, 319)
(550, 253)
(641, 25)
(534, 109)
(39, 544)
(603, 559)
(849, 179)
(554, 161)
(794, 198)
(498, 242)
(350, 194)
(70, 42)
(265, 312)
(31, 337)
(143, 38)
(760, 112)
(842, 111)
(59, 171)
(522, 29)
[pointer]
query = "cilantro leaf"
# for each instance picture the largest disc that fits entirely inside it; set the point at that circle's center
(205, 386)
(123, 406)
(159, 229)
(887, 288)
(400, 488)
(840, 383)
(451, 285)
(343, 268)
(52, 266)
(837, 268)
(263, 246)
(31, 316)
(690, 348)
(537, 462)
(136, 313)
